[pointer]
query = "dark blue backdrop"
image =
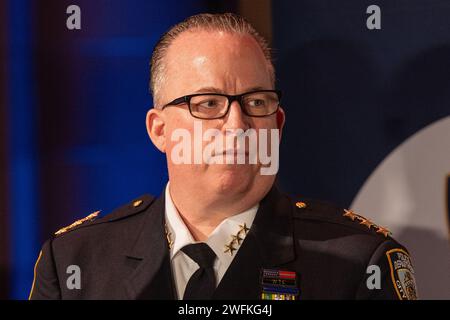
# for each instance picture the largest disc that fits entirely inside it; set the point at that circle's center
(77, 102)
(351, 94)
(77, 105)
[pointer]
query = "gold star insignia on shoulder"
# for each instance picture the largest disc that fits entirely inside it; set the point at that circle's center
(230, 248)
(385, 232)
(244, 228)
(350, 214)
(90, 217)
(365, 222)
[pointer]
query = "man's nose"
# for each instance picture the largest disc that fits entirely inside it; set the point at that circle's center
(236, 119)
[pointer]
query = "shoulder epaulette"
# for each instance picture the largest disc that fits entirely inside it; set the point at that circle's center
(366, 222)
(314, 209)
(131, 208)
(90, 217)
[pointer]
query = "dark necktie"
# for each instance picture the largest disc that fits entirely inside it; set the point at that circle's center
(202, 283)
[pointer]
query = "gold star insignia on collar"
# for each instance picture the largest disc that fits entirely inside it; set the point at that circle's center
(244, 228)
(237, 238)
(169, 237)
(229, 248)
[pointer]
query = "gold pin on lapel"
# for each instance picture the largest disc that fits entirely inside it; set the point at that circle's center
(137, 203)
(300, 205)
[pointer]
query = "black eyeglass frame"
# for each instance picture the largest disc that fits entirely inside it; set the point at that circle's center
(231, 98)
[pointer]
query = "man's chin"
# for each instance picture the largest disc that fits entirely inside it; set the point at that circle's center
(233, 178)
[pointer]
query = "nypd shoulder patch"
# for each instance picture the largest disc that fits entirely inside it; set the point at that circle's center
(402, 274)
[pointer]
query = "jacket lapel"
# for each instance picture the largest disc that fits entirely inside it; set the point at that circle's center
(152, 276)
(268, 244)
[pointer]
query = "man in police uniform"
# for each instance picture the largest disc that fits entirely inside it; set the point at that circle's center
(220, 230)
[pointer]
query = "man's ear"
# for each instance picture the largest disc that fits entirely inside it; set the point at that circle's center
(281, 117)
(155, 123)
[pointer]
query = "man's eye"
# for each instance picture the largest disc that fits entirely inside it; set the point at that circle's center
(256, 103)
(208, 104)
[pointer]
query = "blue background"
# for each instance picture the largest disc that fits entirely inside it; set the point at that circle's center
(74, 103)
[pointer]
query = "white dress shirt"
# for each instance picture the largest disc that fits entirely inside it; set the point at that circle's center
(182, 265)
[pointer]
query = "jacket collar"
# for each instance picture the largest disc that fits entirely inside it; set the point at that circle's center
(273, 229)
(152, 276)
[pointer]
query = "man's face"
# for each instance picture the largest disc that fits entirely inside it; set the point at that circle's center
(214, 62)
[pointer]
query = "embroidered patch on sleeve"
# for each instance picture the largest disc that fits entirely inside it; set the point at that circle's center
(402, 274)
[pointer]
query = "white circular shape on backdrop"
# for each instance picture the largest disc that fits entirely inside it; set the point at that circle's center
(407, 193)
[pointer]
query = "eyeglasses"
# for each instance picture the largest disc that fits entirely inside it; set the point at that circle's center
(209, 106)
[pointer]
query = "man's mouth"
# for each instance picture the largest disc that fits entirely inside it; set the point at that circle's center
(235, 152)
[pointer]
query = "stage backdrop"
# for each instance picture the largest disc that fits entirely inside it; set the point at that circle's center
(367, 116)
(368, 121)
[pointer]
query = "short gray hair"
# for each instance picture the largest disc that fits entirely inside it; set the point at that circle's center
(227, 22)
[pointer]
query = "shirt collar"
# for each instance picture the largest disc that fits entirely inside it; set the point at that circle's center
(217, 240)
